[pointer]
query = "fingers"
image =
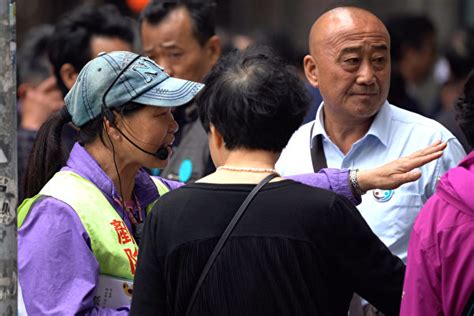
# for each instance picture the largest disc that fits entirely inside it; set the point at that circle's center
(437, 146)
(416, 162)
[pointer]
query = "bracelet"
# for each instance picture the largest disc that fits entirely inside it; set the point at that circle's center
(354, 182)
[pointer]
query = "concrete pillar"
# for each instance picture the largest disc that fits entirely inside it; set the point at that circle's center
(8, 161)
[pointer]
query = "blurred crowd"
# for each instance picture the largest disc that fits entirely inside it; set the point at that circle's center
(427, 76)
(432, 80)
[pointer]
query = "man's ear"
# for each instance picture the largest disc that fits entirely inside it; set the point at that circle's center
(311, 70)
(68, 75)
(213, 47)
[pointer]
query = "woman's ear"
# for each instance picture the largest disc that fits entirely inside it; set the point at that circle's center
(216, 137)
(111, 130)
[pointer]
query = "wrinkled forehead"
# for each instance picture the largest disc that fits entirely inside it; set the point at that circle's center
(341, 26)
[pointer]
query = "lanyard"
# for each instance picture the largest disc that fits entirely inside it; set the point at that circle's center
(129, 210)
(318, 158)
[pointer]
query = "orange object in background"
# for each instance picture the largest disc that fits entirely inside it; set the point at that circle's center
(137, 5)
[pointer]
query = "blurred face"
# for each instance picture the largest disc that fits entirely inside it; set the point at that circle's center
(38, 101)
(350, 64)
(108, 44)
(172, 45)
(98, 44)
(424, 59)
(150, 128)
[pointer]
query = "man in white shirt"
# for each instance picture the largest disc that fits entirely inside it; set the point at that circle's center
(356, 127)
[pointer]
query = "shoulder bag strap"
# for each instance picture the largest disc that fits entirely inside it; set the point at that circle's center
(318, 157)
(223, 239)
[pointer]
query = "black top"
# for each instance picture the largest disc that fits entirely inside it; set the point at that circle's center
(296, 251)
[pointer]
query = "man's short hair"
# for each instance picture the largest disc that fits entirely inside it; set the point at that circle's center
(32, 61)
(202, 13)
(71, 42)
(465, 110)
(254, 100)
(408, 31)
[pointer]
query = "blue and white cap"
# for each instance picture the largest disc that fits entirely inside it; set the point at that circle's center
(143, 82)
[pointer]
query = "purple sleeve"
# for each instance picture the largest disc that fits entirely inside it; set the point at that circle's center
(172, 184)
(57, 268)
(336, 180)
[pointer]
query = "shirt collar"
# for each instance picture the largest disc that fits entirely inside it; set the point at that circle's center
(380, 127)
(319, 122)
(82, 163)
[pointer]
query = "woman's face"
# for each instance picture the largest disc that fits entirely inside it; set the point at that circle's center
(150, 128)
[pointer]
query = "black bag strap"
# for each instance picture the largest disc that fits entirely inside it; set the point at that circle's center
(223, 239)
(318, 157)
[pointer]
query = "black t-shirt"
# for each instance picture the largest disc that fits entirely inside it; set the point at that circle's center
(296, 251)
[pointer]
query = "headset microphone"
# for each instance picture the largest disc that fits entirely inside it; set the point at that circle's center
(162, 153)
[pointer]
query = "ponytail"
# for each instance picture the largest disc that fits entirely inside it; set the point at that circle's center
(47, 156)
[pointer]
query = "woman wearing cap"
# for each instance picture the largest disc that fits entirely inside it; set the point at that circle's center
(78, 234)
(121, 104)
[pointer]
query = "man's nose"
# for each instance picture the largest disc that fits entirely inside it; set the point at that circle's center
(167, 66)
(366, 74)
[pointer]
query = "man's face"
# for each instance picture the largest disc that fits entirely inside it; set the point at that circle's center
(352, 68)
(172, 45)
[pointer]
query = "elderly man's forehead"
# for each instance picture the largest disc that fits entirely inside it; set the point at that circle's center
(346, 20)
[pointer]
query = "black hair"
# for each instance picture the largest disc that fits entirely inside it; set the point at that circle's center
(202, 13)
(408, 31)
(32, 62)
(48, 156)
(465, 109)
(253, 99)
(71, 42)
(460, 53)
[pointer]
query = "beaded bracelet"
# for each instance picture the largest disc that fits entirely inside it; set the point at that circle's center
(354, 182)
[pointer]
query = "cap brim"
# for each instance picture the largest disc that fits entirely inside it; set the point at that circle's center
(171, 92)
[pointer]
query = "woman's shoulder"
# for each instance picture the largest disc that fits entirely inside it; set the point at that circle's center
(48, 213)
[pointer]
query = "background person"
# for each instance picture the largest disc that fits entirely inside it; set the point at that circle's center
(38, 93)
(413, 53)
(182, 38)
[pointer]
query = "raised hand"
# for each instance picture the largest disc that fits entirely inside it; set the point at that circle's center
(400, 171)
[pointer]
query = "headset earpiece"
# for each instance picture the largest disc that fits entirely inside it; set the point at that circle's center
(109, 115)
